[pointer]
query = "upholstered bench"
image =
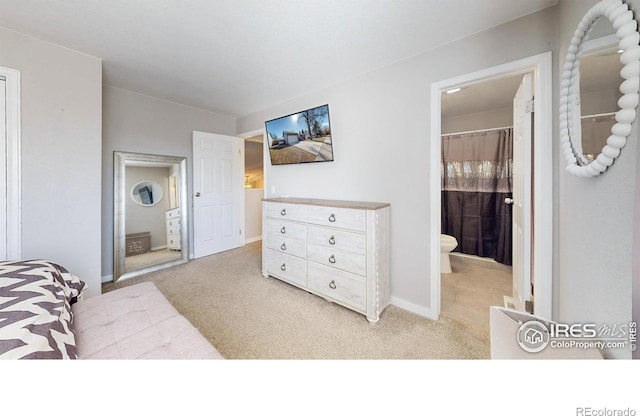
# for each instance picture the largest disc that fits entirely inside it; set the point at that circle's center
(43, 315)
(136, 322)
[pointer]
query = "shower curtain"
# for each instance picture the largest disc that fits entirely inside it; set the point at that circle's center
(476, 176)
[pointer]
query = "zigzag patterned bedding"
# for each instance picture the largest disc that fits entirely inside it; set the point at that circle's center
(35, 310)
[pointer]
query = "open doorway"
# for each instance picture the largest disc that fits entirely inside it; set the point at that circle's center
(253, 187)
(477, 125)
(539, 174)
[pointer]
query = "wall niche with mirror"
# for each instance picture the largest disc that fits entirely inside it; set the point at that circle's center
(150, 224)
(599, 88)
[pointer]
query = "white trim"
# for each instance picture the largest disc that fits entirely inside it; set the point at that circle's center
(107, 278)
(411, 307)
(252, 239)
(14, 135)
(542, 245)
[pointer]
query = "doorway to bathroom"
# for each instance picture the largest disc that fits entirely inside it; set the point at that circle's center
(477, 146)
(487, 233)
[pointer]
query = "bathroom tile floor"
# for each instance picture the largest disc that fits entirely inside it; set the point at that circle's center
(474, 285)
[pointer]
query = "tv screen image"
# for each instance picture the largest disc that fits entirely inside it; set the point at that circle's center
(301, 137)
(146, 195)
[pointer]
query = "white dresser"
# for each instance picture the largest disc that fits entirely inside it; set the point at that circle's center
(338, 250)
(172, 217)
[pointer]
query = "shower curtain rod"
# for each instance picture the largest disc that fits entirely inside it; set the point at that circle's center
(477, 131)
(599, 115)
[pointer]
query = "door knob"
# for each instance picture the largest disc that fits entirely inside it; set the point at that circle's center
(197, 194)
(508, 201)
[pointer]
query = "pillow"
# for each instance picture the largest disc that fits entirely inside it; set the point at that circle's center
(35, 310)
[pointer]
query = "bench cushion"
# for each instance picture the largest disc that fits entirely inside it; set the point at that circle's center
(136, 322)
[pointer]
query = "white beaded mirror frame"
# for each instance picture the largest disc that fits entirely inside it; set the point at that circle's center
(626, 27)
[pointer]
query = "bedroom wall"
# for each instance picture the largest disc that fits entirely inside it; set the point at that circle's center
(138, 123)
(380, 124)
(61, 153)
(595, 222)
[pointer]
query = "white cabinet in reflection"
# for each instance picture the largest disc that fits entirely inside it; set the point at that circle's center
(173, 229)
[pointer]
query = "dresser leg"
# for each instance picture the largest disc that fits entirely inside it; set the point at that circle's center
(265, 275)
(373, 320)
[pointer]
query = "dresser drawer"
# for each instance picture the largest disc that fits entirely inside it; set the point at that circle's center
(173, 222)
(173, 230)
(287, 229)
(284, 266)
(335, 284)
(173, 242)
(173, 213)
(347, 218)
(350, 262)
(292, 212)
(286, 245)
(337, 239)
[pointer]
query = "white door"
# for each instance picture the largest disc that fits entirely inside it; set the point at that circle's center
(218, 193)
(522, 112)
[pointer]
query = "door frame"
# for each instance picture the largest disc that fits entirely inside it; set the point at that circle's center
(542, 189)
(13, 163)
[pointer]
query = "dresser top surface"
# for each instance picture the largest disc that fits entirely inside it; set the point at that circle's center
(330, 203)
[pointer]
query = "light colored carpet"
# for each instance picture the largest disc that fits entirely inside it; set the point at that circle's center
(246, 316)
(150, 258)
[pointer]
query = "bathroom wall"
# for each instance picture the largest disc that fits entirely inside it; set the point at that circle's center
(489, 119)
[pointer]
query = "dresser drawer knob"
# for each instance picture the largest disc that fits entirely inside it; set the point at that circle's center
(283, 267)
(332, 218)
(283, 247)
(332, 240)
(332, 259)
(332, 284)
(282, 230)
(283, 212)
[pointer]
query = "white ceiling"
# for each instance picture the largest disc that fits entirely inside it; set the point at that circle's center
(484, 96)
(235, 57)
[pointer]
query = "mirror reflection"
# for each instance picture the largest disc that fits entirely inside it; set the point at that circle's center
(150, 222)
(599, 94)
(591, 60)
(147, 193)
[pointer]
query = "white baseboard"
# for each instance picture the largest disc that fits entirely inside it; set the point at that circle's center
(412, 307)
(252, 240)
(107, 278)
(159, 248)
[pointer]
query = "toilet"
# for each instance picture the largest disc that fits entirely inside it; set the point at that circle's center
(447, 244)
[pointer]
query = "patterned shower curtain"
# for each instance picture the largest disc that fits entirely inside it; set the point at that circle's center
(476, 175)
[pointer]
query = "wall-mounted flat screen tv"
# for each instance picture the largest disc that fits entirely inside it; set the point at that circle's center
(302, 137)
(146, 195)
